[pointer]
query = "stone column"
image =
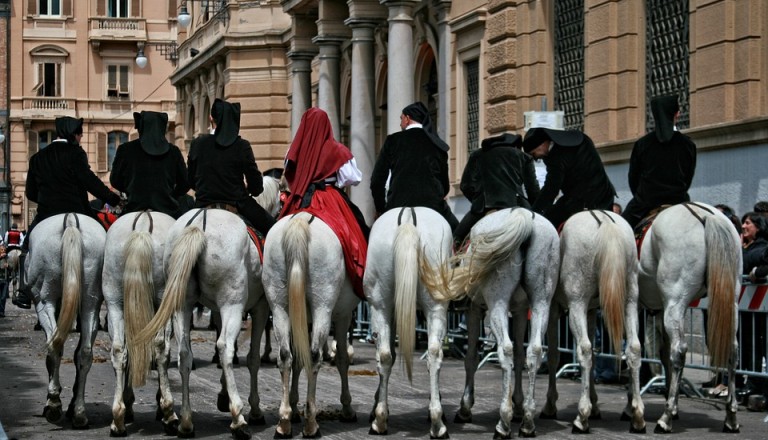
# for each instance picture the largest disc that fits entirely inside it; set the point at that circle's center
(363, 127)
(328, 87)
(399, 60)
(301, 71)
(443, 69)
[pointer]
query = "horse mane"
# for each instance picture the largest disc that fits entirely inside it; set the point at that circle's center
(269, 199)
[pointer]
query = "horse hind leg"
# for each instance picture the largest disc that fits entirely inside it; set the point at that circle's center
(348, 414)
(519, 325)
(381, 311)
(83, 361)
(553, 359)
(474, 323)
(673, 324)
(259, 316)
(165, 398)
(635, 408)
(437, 324)
(578, 320)
(231, 318)
(321, 325)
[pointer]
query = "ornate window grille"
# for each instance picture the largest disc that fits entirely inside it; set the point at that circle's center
(666, 52)
(569, 61)
(472, 69)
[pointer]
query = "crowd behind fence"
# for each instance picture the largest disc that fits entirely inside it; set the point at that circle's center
(753, 328)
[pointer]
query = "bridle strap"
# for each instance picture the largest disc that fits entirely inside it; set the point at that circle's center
(77, 220)
(594, 216)
(400, 216)
(205, 217)
(151, 221)
(695, 214)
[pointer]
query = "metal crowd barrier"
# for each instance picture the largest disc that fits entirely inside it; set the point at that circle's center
(752, 337)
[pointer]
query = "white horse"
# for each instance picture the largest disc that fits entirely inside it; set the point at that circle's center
(64, 266)
(211, 259)
(13, 272)
(304, 266)
(508, 249)
(691, 250)
(134, 276)
(406, 249)
(598, 267)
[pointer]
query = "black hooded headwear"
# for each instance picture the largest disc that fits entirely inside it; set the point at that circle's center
(504, 140)
(419, 113)
(152, 127)
(226, 115)
(664, 109)
(275, 173)
(68, 127)
(564, 138)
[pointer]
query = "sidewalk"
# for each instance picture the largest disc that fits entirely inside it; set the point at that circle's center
(24, 380)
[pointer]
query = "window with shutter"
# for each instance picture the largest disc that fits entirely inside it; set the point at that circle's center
(101, 152)
(114, 140)
(44, 138)
(118, 82)
(32, 142)
(117, 8)
(172, 12)
(50, 8)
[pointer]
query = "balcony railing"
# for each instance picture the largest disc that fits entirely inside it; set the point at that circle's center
(48, 103)
(114, 28)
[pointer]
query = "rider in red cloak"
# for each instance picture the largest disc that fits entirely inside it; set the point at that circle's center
(316, 168)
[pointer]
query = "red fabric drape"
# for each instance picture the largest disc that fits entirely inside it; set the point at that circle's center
(315, 156)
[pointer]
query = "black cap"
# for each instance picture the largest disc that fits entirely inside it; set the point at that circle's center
(152, 127)
(68, 127)
(276, 173)
(504, 140)
(564, 138)
(226, 115)
(664, 109)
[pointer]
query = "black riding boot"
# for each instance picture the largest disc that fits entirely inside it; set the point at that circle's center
(24, 296)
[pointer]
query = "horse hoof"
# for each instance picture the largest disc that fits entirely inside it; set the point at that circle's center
(348, 419)
(190, 434)
(660, 430)
(315, 435)
(375, 432)
(577, 430)
(241, 433)
(728, 430)
(461, 419)
(171, 428)
(113, 433)
(525, 434)
(633, 430)
(545, 416)
(52, 414)
(498, 435)
(445, 435)
(624, 417)
(257, 420)
(222, 403)
(282, 436)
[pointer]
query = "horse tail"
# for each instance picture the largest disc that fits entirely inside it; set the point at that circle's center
(296, 247)
(612, 265)
(406, 256)
(184, 255)
(723, 269)
(139, 292)
(71, 280)
(487, 251)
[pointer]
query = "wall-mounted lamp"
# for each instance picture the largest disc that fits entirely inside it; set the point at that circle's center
(141, 59)
(220, 11)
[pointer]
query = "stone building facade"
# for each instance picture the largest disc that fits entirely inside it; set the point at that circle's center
(480, 65)
(77, 58)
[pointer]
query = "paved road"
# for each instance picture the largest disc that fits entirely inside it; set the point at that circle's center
(23, 383)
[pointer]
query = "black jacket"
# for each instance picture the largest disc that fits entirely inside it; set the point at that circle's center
(151, 182)
(216, 172)
(579, 173)
(419, 172)
(494, 178)
(661, 173)
(59, 180)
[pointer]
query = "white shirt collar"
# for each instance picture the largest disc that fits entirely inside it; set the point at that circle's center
(414, 125)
